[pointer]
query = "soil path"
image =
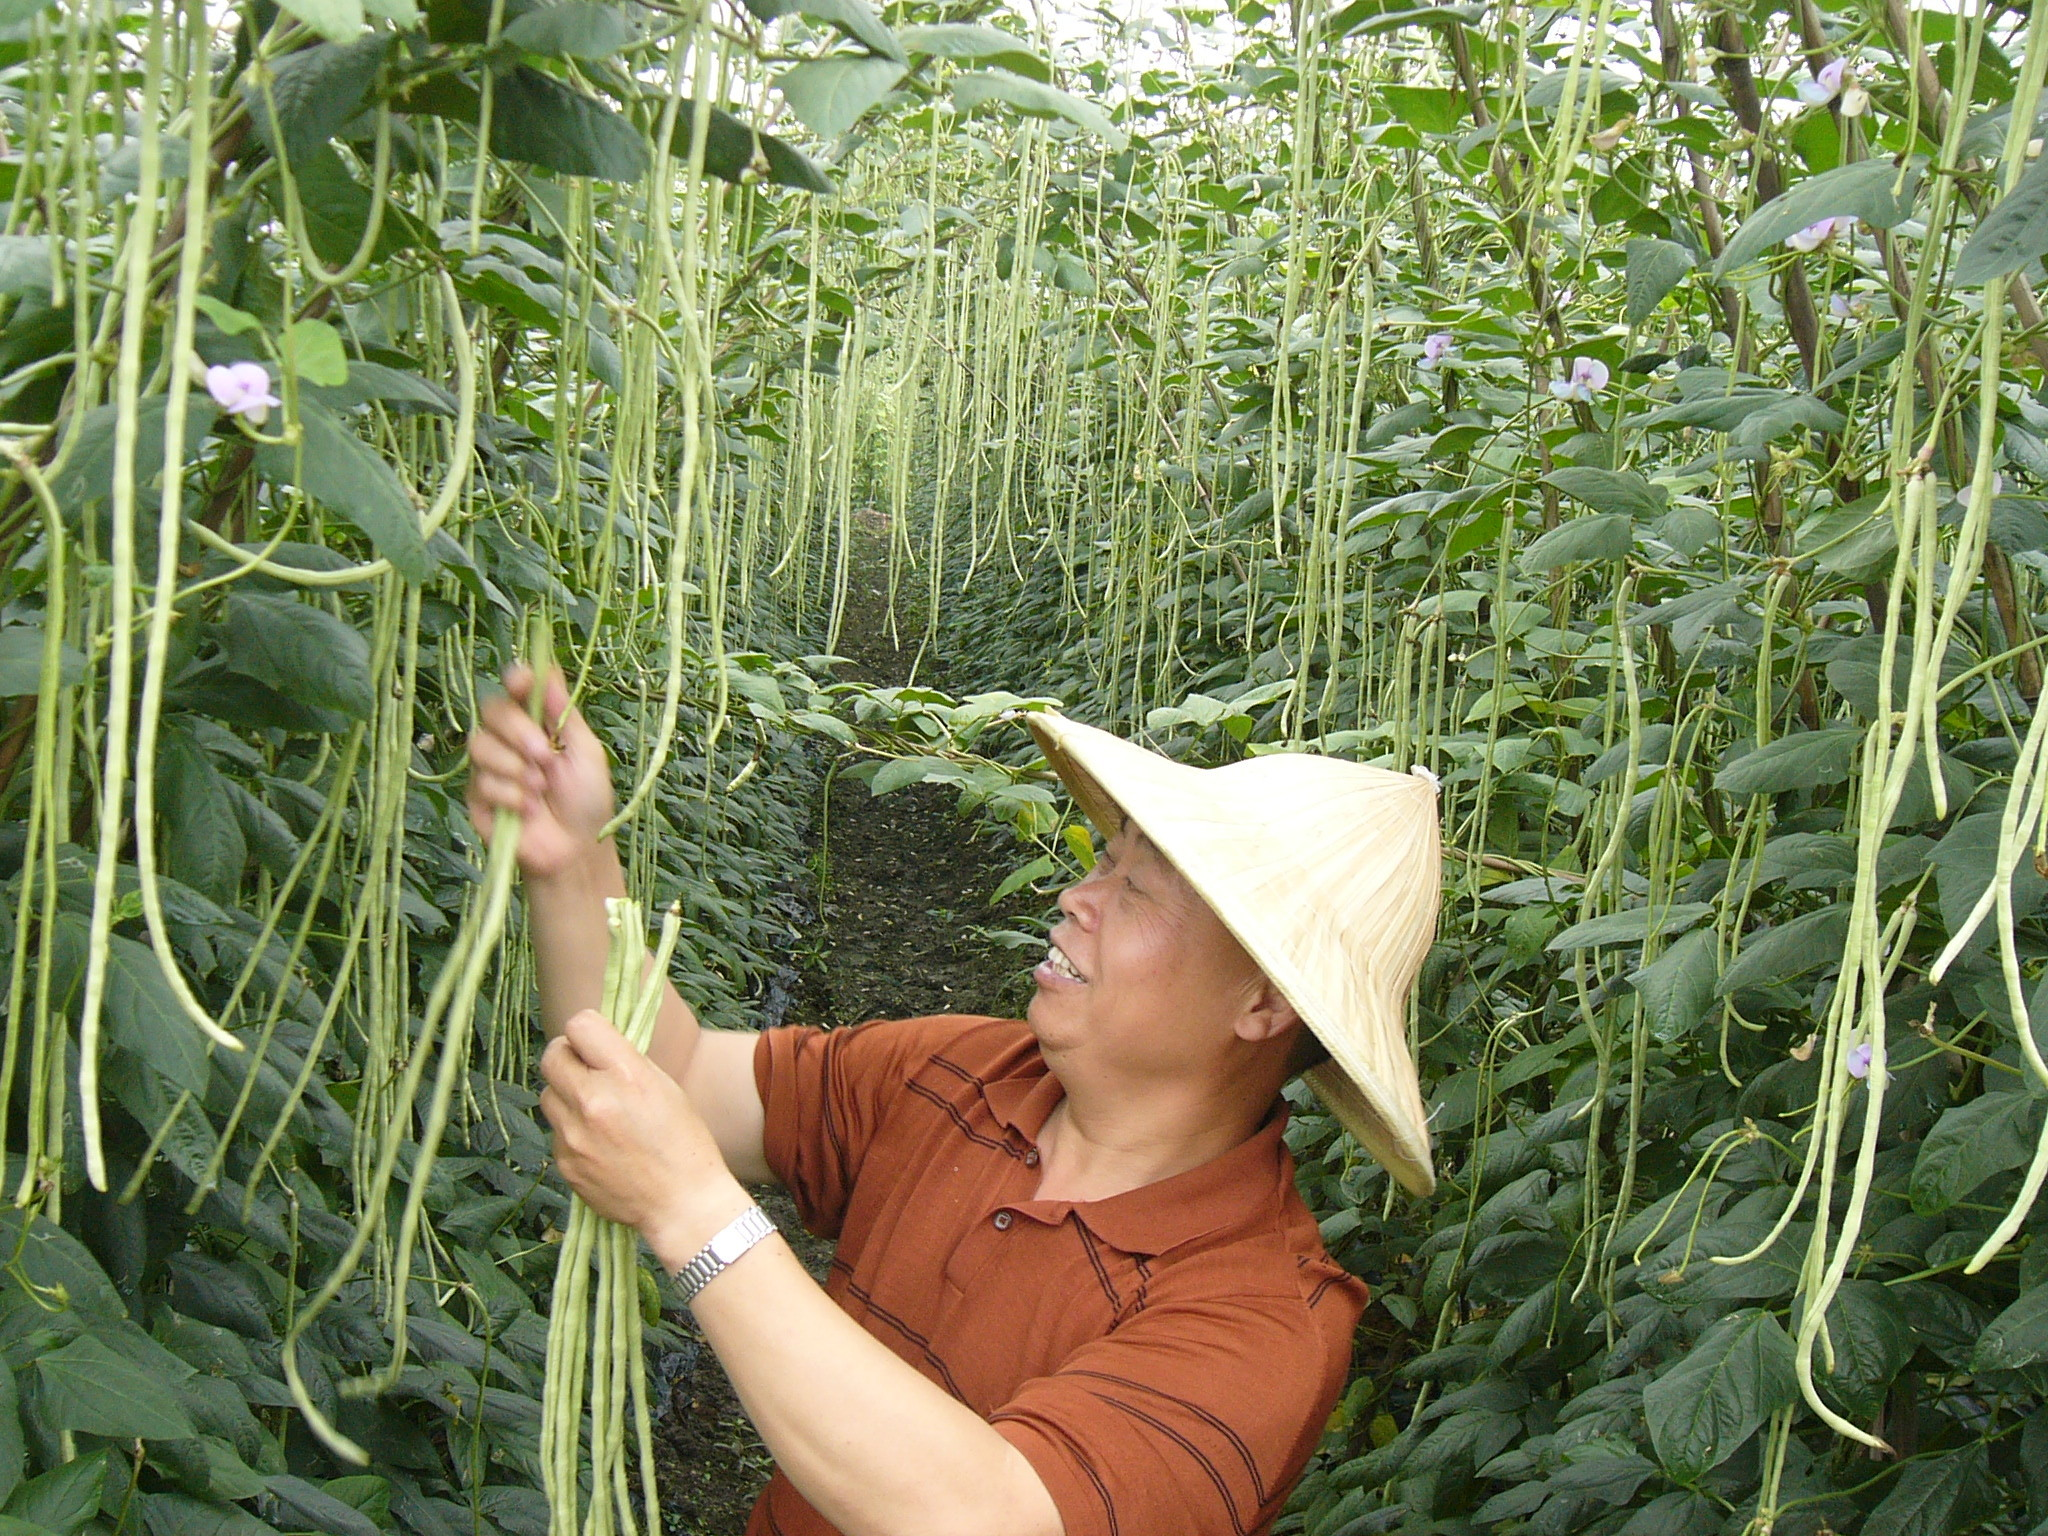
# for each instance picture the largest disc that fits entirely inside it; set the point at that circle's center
(906, 883)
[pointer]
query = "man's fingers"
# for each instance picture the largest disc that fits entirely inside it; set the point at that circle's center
(490, 753)
(503, 715)
(591, 1036)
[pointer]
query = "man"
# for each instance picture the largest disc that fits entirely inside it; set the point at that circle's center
(1076, 1291)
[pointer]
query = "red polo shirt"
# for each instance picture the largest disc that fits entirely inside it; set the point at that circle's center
(1166, 1358)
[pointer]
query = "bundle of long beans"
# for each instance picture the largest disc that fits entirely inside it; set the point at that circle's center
(594, 1348)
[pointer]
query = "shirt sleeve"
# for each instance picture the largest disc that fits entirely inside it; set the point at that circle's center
(1195, 1417)
(824, 1094)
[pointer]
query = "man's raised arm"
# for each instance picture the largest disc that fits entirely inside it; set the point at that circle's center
(563, 793)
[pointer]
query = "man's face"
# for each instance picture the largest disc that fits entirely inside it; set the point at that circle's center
(1141, 975)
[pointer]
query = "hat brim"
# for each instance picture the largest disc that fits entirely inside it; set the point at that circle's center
(1121, 781)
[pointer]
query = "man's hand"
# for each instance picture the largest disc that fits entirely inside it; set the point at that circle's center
(630, 1142)
(562, 793)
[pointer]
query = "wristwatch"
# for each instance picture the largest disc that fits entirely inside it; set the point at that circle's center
(731, 1240)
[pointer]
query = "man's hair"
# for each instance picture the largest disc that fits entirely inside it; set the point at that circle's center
(1308, 1052)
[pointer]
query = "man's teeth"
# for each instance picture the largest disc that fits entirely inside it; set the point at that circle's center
(1057, 959)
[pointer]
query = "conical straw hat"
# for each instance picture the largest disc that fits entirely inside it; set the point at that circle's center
(1327, 871)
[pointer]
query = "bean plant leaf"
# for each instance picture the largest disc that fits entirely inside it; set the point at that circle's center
(733, 148)
(1630, 927)
(2013, 234)
(1787, 950)
(1864, 189)
(63, 1498)
(339, 21)
(830, 94)
(315, 91)
(962, 40)
(1611, 490)
(1935, 1497)
(1872, 1339)
(25, 264)
(302, 651)
(202, 836)
(309, 1508)
(537, 119)
(21, 661)
(1677, 987)
(2017, 1337)
(575, 29)
(312, 350)
(1603, 536)
(342, 472)
(979, 87)
(1655, 267)
(859, 21)
(1966, 862)
(1969, 1143)
(1803, 760)
(90, 1388)
(1712, 1399)
(144, 1016)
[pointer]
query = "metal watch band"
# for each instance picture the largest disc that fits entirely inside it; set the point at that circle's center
(731, 1240)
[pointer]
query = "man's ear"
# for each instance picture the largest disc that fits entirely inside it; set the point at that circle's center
(1268, 1014)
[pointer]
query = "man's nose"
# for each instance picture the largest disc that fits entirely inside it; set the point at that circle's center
(1077, 900)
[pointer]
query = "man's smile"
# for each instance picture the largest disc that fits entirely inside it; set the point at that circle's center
(1057, 965)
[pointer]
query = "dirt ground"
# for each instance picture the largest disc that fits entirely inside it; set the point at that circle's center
(905, 882)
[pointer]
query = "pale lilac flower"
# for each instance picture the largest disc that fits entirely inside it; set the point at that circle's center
(1839, 306)
(1820, 232)
(242, 389)
(1859, 1059)
(1436, 348)
(1587, 378)
(1827, 85)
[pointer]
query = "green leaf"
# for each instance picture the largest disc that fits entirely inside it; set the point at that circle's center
(1070, 274)
(831, 93)
(1787, 950)
(217, 1292)
(144, 1016)
(1604, 536)
(1712, 1399)
(1677, 988)
(63, 1498)
(1965, 862)
(1429, 108)
(21, 661)
(87, 1386)
(15, 13)
(1611, 490)
(979, 87)
(858, 20)
(537, 119)
(1630, 927)
(339, 21)
(226, 319)
(1803, 760)
(2012, 235)
(337, 210)
(13, 1449)
(1935, 1497)
(733, 149)
(974, 40)
(2017, 1337)
(1655, 267)
(312, 350)
(312, 1508)
(316, 91)
(1872, 1338)
(1970, 1143)
(25, 264)
(304, 652)
(179, 1514)
(1862, 190)
(342, 472)
(576, 29)
(201, 835)
(88, 474)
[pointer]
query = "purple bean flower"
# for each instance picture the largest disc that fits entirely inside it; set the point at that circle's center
(1859, 1059)
(1825, 86)
(1587, 378)
(1839, 306)
(1436, 349)
(1820, 232)
(242, 389)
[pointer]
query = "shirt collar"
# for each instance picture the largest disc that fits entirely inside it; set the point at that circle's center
(1154, 1218)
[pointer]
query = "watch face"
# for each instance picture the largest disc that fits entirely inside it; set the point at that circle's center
(728, 1246)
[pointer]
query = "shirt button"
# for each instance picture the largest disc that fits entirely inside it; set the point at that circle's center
(1031, 1158)
(1003, 1219)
